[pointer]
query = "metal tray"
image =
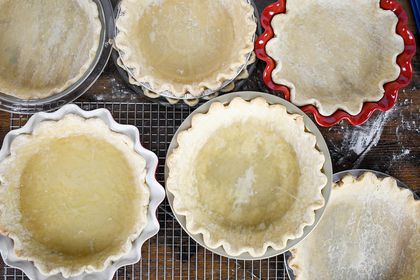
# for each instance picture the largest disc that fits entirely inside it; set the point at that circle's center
(248, 95)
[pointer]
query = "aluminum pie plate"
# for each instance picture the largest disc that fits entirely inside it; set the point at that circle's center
(187, 96)
(337, 177)
(16, 105)
(321, 145)
(157, 193)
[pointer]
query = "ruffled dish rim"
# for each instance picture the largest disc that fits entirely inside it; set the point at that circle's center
(389, 99)
(151, 227)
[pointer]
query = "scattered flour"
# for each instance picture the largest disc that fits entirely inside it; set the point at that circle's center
(403, 154)
(368, 136)
(245, 187)
(359, 140)
(407, 125)
(117, 91)
(354, 143)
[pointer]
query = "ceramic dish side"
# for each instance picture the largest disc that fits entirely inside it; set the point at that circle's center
(404, 60)
(157, 193)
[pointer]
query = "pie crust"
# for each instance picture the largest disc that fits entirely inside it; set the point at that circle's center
(61, 193)
(335, 54)
(46, 46)
(204, 44)
(370, 230)
(239, 189)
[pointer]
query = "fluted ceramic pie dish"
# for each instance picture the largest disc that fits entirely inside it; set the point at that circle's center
(369, 75)
(47, 170)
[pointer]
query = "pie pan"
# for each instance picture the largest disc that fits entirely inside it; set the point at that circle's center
(16, 105)
(139, 87)
(168, 101)
(337, 177)
(157, 193)
(391, 89)
(321, 145)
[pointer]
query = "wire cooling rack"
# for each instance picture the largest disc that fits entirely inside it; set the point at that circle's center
(172, 254)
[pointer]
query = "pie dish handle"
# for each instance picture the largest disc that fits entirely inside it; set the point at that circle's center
(391, 89)
(157, 193)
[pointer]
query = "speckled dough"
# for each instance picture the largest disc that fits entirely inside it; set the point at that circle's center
(247, 176)
(370, 230)
(335, 54)
(61, 191)
(46, 45)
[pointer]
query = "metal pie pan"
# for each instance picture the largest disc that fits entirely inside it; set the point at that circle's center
(126, 72)
(15, 105)
(321, 145)
(337, 177)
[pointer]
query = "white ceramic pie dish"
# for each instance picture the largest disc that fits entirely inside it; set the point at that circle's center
(321, 145)
(337, 177)
(157, 193)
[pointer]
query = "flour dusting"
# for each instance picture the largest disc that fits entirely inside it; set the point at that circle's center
(363, 139)
(403, 154)
(357, 141)
(244, 187)
(407, 130)
(115, 90)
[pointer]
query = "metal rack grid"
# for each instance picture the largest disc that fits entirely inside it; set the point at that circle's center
(172, 254)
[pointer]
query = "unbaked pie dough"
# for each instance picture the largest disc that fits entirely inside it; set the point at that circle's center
(185, 45)
(247, 176)
(61, 193)
(335, 54)
(46, 46)
(370, 230)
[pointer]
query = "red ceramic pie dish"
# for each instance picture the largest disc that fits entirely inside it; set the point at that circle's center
(391, 89)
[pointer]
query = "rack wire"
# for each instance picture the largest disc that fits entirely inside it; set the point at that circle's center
(172, 254)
